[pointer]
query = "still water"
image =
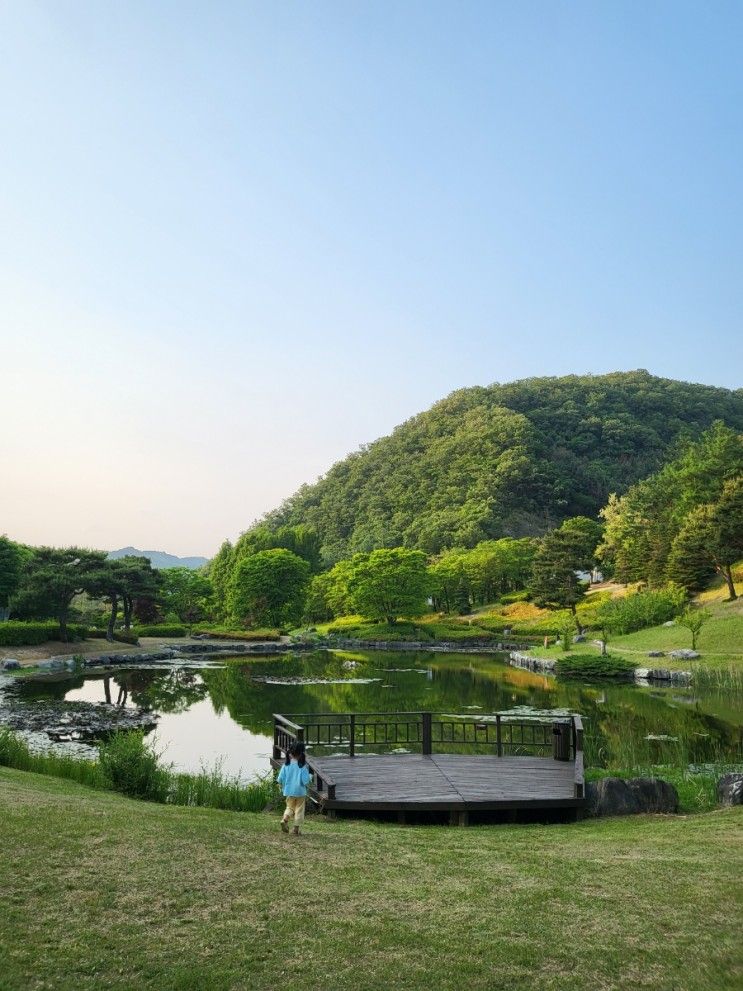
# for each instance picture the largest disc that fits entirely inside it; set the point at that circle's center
(222, 714)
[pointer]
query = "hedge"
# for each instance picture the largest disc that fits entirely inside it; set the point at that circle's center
(15, 633)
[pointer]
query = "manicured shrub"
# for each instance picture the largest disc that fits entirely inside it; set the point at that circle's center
(15, 633)
(595, 666)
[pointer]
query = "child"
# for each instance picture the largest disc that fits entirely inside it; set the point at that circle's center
(294, 777)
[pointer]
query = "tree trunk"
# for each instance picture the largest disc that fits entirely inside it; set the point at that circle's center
(112, 618)
(63, 626)
(128, 603)
(727, 571)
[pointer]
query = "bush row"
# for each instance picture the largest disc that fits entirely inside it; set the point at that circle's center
(15, 633)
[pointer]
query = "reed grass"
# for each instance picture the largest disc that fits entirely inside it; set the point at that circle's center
(128, 766)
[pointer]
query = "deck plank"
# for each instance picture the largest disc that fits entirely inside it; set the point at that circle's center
(448, 781)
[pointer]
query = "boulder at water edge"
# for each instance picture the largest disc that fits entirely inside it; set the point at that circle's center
(654, 795)
(11, 664)
(617, 797)
(730, 789)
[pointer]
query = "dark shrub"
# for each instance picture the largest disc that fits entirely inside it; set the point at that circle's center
(132, 768)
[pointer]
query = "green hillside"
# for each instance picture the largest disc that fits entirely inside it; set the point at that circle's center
(505, 460)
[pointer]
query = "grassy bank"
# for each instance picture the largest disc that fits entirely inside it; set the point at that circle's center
(127, 765)
(103, 892)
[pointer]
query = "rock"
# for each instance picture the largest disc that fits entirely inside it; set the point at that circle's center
(685, 654)
(654, 795)
(579, 638)
(656, 653)
(11, 664)
(730, 789)
(611, 797)
(642, 674)
(671, 622)
(617, 797)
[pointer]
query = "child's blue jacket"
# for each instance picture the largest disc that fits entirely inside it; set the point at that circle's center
(294, 780)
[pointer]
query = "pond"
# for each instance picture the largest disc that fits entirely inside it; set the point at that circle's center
(222, 713)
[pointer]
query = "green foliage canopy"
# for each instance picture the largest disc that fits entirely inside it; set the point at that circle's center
(268, 587)
(388, 583)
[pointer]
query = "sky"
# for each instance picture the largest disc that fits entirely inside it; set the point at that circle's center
(239, 240)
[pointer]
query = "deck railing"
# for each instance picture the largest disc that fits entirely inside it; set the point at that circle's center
(506, 734)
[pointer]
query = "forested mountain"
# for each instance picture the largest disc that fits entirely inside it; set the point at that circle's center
(159, 559)
(505, 460)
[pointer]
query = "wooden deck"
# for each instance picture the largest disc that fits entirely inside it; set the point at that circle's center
(534, 764)
(446, 782)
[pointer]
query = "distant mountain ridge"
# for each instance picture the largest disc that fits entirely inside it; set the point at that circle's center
(160, 559)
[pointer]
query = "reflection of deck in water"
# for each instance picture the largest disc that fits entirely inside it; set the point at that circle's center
(533, 763)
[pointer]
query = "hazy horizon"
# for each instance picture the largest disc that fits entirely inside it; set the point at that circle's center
(240, 241)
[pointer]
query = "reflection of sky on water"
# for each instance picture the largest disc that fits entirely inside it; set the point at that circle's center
(205, 737)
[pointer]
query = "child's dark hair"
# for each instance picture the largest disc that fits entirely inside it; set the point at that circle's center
(296, 750)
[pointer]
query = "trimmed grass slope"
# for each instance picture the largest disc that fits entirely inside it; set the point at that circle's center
(100, 892)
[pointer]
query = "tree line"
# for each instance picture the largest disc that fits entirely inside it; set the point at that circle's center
(46, 582)
(680, 525)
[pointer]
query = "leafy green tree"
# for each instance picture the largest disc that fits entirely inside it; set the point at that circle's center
(11, 562)
(693, 620)
(642, 526)
(567, 632)
(269, 587)
(186, 593)
(554, 581)
(711, 539)
(53, 576)
(138, 580)
(118, 582)
(317, 608)
(219, 571)
(585, 536)
(388, 583)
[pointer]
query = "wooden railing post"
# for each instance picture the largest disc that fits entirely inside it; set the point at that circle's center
(352, 735)
(498, 736)
(426, 741)
(579, 771)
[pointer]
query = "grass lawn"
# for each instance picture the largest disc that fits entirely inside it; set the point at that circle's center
(720, 642)
(98, 891)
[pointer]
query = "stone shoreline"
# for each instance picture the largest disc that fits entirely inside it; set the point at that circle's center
(547, 665)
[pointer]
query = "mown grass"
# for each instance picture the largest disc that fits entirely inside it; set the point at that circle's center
(127, 765)
(101, 891)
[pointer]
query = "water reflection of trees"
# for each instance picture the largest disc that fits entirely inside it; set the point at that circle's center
(618, 718)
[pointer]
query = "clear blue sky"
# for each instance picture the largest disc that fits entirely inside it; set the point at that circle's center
(238, 240)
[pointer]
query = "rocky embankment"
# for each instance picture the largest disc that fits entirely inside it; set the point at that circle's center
(548, 665)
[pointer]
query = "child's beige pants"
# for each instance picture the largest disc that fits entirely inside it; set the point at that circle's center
(294, 807)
